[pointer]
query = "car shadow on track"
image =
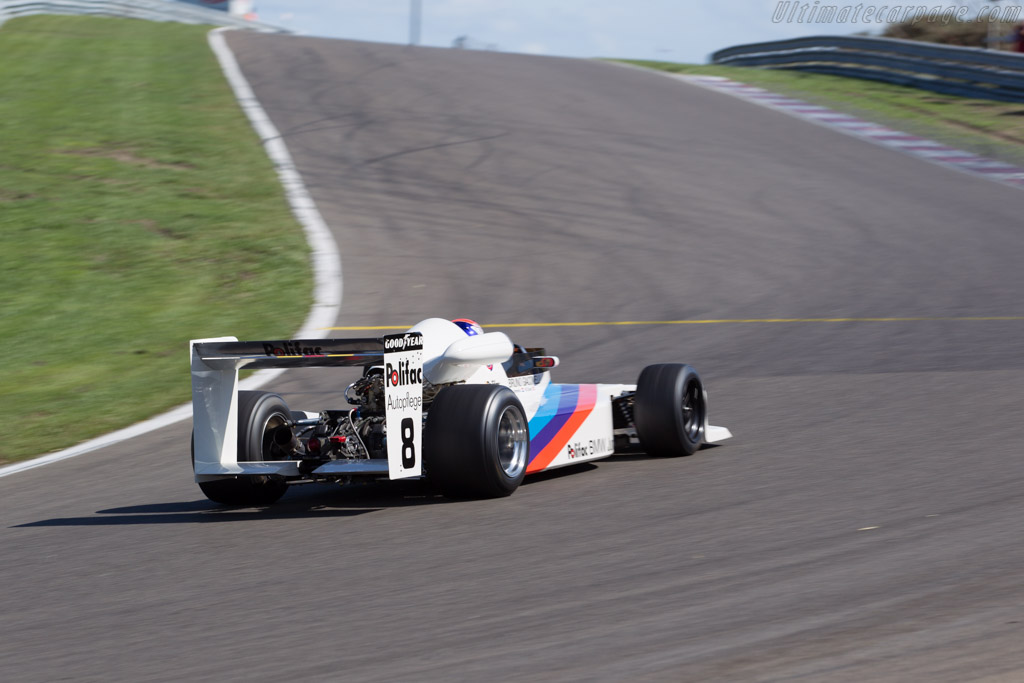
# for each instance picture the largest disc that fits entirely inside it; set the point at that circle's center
(315, 501)
(559, 473)
(306, 502)
(638, 455)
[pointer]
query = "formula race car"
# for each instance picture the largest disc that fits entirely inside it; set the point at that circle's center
(469, 411)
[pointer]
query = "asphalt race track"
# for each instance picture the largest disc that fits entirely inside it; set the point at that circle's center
(863, 524)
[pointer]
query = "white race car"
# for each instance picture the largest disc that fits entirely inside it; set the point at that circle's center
(470, 411)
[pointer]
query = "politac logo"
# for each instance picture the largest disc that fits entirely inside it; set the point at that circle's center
(824, 12)
(291, 348)
(404, 374)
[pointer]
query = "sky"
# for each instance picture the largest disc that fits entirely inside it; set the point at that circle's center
(670, 30)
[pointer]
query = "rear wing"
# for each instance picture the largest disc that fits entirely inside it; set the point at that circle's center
(298, 353)
(214, 367)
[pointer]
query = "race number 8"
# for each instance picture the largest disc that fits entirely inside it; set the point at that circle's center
(408, 445)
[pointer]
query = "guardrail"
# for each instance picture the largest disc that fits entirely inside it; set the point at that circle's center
(152, 10)
(949, 69)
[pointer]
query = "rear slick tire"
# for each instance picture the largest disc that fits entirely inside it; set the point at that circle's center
(670, 410)
(476, 443)
(259, 413)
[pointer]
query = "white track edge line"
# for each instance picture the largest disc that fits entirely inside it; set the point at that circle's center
(849, 131)
(693, 79)
(325, 257)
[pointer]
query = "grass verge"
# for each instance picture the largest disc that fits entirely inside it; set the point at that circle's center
(137, 210)
(992, 129)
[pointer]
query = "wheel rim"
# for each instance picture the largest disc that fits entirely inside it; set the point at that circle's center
(268, 449)
(693, 411)
(513, 442)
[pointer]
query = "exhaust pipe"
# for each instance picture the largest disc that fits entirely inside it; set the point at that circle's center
(284, 438)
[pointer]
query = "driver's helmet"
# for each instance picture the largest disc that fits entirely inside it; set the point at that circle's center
(470, 327)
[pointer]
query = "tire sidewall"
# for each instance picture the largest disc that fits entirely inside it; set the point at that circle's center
(255, 410)
(683, 383)
(461, 441)
(501, 401)
(658, 412)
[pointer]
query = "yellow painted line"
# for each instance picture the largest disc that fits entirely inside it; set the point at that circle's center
(722, 321)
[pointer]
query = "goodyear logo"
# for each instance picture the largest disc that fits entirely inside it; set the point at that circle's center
(410, 341)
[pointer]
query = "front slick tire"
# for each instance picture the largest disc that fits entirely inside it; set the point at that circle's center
(476, 443)
(670, 410)
(259, 413)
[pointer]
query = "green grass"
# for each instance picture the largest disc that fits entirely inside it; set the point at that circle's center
(993, 129)
(137, 210)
